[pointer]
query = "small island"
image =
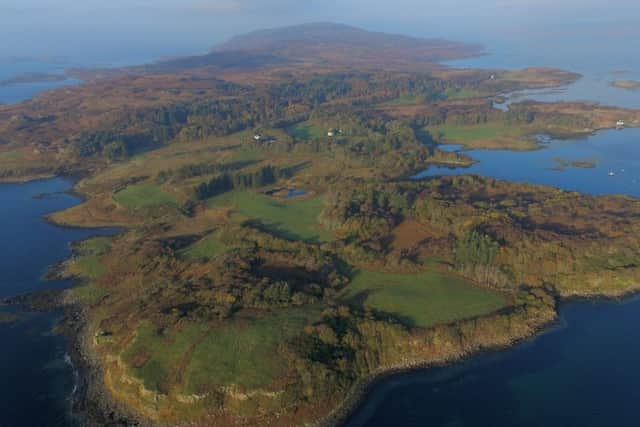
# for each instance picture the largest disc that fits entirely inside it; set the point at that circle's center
(626, 84)
(8, 317)
(562, 164)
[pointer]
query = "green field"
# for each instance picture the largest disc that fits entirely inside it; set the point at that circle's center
(89, 294)
(246, 353)
(205, 248)
(307, 131)
(143, 195)
(247, 154)
(462, 93)
(88, 263)
(154, 355)
(196, 356)
(463, 134)
(406, 100)
(423, 299)
(294, 219)
(11, 156)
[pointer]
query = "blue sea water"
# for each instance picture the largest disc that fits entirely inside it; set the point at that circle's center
(583, 373)
(599, 60)
(15, 67)
(35, 375)
(615, 155)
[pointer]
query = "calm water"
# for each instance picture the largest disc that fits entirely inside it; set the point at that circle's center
(10, 68)
(15, 67)
(583, 373)
(610, 151)
(35, 376)
(599, 59)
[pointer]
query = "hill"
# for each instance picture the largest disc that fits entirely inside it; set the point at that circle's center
(324, 45)
(341, 44)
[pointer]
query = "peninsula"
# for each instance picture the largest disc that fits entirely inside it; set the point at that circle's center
(275, 256)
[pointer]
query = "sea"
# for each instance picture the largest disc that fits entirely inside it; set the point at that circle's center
(35, 371)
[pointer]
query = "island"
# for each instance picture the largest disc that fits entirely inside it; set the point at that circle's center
(562, 164)
(626, 84)
(276, 255)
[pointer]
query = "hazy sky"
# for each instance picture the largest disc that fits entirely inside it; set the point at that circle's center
(129, 29)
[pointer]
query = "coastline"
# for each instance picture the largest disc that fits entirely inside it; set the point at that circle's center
(93, 403)
(361, 391)
(89, 406)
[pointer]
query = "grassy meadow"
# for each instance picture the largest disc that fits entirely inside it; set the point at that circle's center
(245, 353)
(205, 248)
(143, 196)
(196, 357)
(494, 135)
(424, 299)
(88, 263)
(291, 219)
(307, 130)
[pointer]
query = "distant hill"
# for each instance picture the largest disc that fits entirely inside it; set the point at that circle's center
(343, 44)
(321, 45)
(308, 46)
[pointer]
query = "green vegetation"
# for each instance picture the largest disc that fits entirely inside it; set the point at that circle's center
(10, 156)
(406, 100)
(205, 248)
(197, 358)
(306, 131)
(562, 164)
(143, 196)
(88, 263)
(292, 219)
(89, 294)
(476, 248)
(155, 353)
(247, 155)
(423, 299)
(246, 353)
(263, 177)
(465, 134)
(456, 93)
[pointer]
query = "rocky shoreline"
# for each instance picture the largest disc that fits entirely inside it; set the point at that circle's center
(91, 404)
(361, 390)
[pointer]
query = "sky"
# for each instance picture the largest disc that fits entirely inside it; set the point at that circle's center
(140, 30)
